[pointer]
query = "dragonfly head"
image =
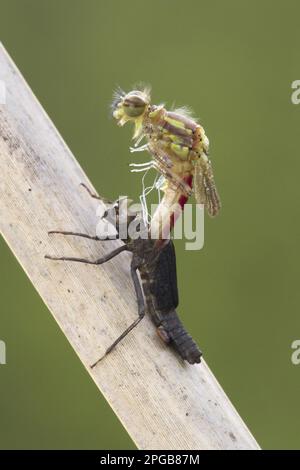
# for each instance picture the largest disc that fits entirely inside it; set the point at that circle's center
(130, 106)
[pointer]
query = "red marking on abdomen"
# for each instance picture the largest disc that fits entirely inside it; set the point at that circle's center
(174, 216)
(182, 200)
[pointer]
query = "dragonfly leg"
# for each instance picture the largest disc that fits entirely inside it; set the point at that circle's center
(142, 148)
(138, 291)
(138, 168)
(94, 195)
(83, 235)
(102, 260)
(141, 312)
(76, 234)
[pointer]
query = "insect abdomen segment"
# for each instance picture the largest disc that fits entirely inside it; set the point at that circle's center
(171, 330)
(163, 280)
(161, 293)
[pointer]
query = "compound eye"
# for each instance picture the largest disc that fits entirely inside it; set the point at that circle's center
(134, 105)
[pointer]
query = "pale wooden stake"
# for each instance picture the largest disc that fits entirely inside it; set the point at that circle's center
(163, 403)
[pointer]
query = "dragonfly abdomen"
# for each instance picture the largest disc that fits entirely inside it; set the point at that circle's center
(172, 331)
(161, 294)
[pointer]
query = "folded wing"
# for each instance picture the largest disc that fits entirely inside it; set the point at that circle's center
(205, 188)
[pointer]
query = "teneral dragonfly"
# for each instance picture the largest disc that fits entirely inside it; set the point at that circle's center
(176, 141)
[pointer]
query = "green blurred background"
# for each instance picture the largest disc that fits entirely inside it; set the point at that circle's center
(234, 63)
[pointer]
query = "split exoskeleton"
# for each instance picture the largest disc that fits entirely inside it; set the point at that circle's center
(156, 262)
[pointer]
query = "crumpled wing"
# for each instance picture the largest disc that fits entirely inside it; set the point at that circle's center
(205, 188)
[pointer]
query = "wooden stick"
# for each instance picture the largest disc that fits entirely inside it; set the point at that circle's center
(162, 402)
